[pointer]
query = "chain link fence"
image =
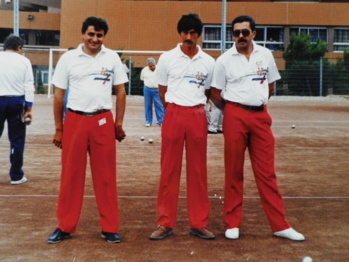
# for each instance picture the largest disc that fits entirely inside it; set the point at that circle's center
(321, 77)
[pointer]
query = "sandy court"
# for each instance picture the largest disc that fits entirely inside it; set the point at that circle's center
(313, 174)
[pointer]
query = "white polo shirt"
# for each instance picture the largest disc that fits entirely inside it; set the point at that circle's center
(245, 81)
(186, 79)
(149, 77)
(90, 79)
(16, 76)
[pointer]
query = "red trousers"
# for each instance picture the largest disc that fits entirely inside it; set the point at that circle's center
(94, 135)
(184, 126)
(246, 129)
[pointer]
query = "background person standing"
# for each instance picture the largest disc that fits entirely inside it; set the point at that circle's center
(90, 71)
(184, 75)
(243, 82)
(16, 101)
(214, 118)
(151, 94)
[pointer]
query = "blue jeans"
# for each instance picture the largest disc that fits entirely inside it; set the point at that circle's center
(151, 95)
(11, 110)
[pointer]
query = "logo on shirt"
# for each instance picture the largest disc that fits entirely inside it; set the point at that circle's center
(104, 75)
(199, 79)
(262, 73)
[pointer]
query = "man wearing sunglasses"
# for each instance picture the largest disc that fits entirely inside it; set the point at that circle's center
(243, 81)
(184, 76)
(90, 72)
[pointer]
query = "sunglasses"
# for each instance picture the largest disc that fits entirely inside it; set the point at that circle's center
(244, 32)
(91, 34)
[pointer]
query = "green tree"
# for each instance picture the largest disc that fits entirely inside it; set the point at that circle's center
(40, 89)
(340, 75)
(134, 76)
(302, 69)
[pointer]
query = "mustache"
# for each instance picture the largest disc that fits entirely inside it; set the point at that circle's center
(242, 40)
(188, 41)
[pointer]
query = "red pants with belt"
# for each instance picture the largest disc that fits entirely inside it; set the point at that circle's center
(94, 135)
(184, 126)
(246, 129)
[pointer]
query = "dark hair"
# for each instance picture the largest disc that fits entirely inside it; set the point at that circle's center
(12, 42)
(188, 22)
(244, 18)
(98, 23)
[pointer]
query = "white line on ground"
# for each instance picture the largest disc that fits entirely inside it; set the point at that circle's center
(154, 197)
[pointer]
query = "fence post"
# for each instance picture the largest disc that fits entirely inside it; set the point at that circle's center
(321, 69)
(129, 75)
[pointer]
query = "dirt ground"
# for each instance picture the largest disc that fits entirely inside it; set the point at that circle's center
(313, 174)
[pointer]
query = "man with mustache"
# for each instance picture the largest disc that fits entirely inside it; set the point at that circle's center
(184, 76)
(90, 72)
(243, 82)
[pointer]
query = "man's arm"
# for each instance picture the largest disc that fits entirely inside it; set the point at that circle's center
(120, 111)
(58, 115)
(271, 89)
(29, 91)
(162, 92)
(217, 98)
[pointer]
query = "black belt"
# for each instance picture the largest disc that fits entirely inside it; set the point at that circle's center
(249, 108)
(100, 111)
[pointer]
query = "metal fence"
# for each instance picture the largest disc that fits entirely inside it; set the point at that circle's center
(298, 78)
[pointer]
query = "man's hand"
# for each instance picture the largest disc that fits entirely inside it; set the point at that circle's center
(57, 138)
(119, 133)
(27, 114)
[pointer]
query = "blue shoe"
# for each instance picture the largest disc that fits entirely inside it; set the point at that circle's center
(58, 236)
(111, 237)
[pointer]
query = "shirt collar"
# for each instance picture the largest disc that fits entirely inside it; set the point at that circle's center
(81, 51)
(180, 52)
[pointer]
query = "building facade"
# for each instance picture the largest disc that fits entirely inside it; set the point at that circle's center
(151, 25)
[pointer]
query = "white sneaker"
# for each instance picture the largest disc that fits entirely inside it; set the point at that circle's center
(232, 233)
(291, 234)
(21, 181)
(147, 125)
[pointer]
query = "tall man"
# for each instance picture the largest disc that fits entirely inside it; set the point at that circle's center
(16, 101)
(151, 94)
(243, 81)
(184, 74)
(90, 71)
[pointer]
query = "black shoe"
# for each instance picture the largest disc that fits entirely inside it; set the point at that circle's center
(111, 237)
(58, 236)
(203, 233)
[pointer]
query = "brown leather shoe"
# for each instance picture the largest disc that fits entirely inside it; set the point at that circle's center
(161, 232)
(202, 233)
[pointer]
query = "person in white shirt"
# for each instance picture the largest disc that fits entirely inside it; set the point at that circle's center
(90, 71)
(243, 81)
(151, 94)
(16, 101)
(184, 76)
(214, 118)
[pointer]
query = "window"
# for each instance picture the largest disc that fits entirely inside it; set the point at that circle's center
(271, 37)
(4, 32)
(33, 37)
(314, 32)
(341, 39)
(44, 75)
(212, 37)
